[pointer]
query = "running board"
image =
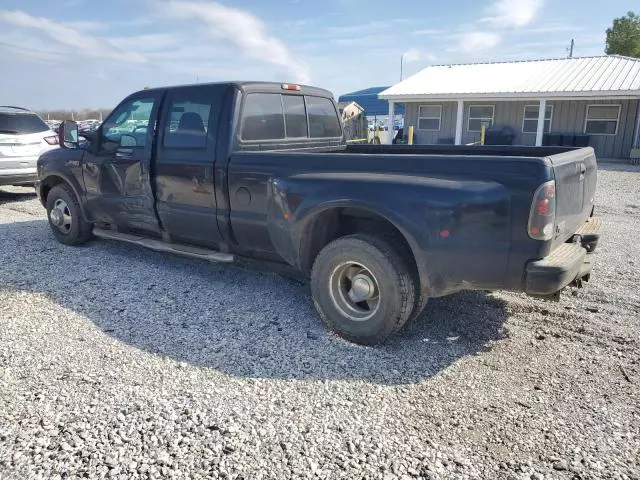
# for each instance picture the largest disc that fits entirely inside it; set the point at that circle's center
(160, 246)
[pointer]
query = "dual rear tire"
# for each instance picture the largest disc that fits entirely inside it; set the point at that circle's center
(363, 289)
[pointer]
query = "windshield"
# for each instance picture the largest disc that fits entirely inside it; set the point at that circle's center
(21, 123)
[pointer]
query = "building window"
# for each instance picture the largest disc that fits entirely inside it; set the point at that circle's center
(429, 117)
(602, 119)
(530, 121)
(479, 114)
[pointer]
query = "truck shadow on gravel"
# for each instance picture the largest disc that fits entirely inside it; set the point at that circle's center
(16, 194)
(241, 322)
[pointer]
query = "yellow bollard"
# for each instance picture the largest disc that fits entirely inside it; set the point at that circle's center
(410, 136)
(482, 130)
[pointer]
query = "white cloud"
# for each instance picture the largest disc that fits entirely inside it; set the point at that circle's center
(512, 13)
(430, 31)
(470, 42)
(413, 55)
(554, 28)
(243, 30)
(34, 54)
(68, 36)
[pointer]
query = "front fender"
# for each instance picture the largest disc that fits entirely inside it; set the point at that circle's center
(458, 231)
(65, 164)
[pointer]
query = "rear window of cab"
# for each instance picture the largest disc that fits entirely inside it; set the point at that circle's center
(275, 116)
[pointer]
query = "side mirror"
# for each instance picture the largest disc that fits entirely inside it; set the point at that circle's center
(68, 134)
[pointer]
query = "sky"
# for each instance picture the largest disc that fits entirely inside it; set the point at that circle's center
(76, 54)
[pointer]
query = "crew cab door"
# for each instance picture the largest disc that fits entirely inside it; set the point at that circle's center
(184, 163)
(117, 168)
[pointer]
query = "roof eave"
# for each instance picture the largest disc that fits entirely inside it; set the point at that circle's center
(511, 96)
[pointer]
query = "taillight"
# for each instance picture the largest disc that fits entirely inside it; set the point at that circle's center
(543, 212)
(289, 86)
(51, 140)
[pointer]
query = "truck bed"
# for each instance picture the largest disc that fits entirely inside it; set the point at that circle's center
(485, 193)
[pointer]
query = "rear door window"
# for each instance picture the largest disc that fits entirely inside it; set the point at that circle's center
(21, 123)
(187, 124)
(262, 117)
(323, 118)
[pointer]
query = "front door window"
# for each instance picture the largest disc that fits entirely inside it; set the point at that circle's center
(129, 118)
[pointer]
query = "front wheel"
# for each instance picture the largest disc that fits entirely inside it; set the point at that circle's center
(65, 216)
(362, 288)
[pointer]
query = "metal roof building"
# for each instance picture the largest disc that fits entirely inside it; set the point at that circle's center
(594, 96)
(369, 101)
(565, 77)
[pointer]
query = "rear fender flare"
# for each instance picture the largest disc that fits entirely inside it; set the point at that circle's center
(288, 228)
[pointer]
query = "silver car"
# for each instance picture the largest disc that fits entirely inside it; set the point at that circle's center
(23, 138)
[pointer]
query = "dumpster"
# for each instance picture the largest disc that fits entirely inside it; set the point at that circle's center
(553, 139)
(581, 140)
(568, 140)
(499, 135)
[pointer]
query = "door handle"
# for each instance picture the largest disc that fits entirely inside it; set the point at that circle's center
(124, 152)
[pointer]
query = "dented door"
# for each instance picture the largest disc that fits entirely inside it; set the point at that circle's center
(117, 171)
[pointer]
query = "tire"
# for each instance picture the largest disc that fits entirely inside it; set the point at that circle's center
(418, 309)
(73, 230)
(367, 260)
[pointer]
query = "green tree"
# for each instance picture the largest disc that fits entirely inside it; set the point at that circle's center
(623, 38)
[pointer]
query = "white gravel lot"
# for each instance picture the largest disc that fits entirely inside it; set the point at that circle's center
(120, 362)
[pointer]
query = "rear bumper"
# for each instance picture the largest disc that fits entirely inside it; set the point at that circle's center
(567, 263)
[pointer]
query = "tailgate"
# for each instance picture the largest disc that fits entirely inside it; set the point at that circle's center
(575, 174)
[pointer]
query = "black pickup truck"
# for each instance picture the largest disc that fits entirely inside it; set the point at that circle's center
(228, 171)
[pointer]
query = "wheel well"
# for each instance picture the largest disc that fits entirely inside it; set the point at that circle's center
(339, 222)
(47, 184)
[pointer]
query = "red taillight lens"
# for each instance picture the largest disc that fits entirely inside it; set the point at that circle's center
(289, 86)
(543, 212)
(51, 140)
(543, 207)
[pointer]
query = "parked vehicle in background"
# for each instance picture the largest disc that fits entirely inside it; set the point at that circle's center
(24, 136)
(88, 126)
(53, 124)
(262, 171)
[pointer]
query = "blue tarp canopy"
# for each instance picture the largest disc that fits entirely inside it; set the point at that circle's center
(368, 99)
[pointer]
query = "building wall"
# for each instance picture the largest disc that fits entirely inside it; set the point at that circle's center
(568, 116)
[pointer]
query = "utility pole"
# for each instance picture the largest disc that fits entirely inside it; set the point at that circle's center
(571, 48)
(401, 65)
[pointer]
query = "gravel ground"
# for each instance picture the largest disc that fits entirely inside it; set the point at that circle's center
(121, 362)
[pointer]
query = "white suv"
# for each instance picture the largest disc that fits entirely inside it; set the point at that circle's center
(23, 138)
